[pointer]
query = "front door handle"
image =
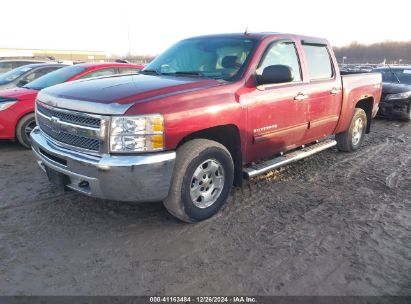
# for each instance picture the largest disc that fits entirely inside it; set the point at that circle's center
(334, 91)
(301, 97)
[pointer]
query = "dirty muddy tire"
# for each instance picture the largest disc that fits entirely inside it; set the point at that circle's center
(351, 140)
(24, 128)
(203, 177)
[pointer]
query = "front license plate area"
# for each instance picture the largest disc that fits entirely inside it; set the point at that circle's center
(59, 179)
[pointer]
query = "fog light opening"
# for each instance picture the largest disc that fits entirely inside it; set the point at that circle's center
(84, 184)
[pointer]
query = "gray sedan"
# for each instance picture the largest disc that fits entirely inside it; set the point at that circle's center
(11, 64)
(27, 73)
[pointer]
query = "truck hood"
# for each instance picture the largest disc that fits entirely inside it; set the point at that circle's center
(394, 88)
(121, 91)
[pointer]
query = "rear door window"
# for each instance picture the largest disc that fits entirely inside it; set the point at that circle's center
(318, 61)
(129, 70)
(98, 73)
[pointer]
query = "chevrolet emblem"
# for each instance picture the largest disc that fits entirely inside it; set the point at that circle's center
(55, 124)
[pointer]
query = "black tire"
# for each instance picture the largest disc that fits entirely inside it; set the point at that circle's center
(407, 115)
(402, 115)
(191, 157)
(347, 141)
(24, 128)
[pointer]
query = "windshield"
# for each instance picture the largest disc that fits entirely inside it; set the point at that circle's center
(216, 57)
(13, 74)
(56, 77)
(403, 75)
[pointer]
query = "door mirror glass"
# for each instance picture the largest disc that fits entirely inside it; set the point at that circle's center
(273, 74)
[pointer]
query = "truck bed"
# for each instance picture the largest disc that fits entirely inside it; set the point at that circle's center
(364, 86)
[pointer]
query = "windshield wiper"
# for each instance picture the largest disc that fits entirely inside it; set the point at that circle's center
(395, 75)
(190, 73)
(150, 72)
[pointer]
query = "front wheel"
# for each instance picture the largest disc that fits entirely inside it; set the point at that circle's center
(351, 140)
(203, 176)
(407, 114)
(24, 128)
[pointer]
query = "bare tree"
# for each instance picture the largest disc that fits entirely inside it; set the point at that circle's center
(392, 52)
(141, 59)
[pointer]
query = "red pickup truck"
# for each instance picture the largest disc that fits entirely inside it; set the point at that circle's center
(201, 117)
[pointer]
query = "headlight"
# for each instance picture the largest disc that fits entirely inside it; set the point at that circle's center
(137, 134)
(404, 95)
(7, 104)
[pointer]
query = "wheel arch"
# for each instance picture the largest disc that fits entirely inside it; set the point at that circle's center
(229, 136)
(19, 119)
(367, 105)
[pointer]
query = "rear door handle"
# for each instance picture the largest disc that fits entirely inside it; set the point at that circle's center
(301, 97)
(334, 91)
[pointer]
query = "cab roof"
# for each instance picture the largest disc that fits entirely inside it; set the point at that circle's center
(264, 35)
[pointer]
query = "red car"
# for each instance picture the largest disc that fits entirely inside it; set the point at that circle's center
(17, 105)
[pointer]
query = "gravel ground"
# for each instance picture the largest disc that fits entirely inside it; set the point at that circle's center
(333, 224)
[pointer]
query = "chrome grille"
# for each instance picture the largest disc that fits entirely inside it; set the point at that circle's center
(69, 127)
(68, 117)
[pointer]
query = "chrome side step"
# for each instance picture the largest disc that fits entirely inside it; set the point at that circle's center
(286, 159)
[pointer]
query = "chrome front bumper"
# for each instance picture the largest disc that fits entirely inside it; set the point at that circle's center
(141, 178)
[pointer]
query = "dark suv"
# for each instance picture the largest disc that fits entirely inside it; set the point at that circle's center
(396, 92)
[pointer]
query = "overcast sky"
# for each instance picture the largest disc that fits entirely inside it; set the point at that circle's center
(154, 25)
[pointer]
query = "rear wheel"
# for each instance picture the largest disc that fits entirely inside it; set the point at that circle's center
(24, 128)
(203, 176)
(351, 140)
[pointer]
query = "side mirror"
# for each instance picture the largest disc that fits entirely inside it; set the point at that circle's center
(273, 74)
(22, 83)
